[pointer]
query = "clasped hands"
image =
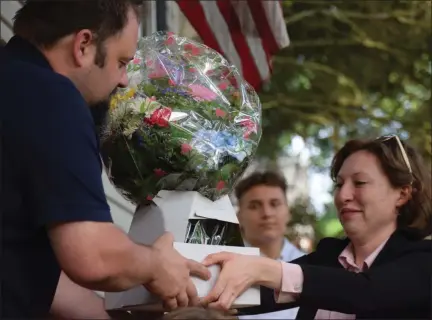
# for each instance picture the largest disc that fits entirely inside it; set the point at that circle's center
(172, 283)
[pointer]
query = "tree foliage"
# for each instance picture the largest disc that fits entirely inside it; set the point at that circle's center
(353, 69)
(303, 215)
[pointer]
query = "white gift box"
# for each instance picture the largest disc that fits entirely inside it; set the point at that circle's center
(172, 213)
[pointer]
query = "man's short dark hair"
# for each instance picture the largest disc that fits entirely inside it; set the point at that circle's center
(45, 22)
(266, 178)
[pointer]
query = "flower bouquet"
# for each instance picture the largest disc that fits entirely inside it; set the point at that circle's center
(186, 122)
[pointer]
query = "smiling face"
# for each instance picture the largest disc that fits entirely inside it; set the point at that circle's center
(366, 201)
(263, 214)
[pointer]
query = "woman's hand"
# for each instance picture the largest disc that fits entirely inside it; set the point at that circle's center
(238, 273)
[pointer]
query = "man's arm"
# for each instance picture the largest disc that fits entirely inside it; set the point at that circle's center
(72, 301)
(100, 256)
(64, 173)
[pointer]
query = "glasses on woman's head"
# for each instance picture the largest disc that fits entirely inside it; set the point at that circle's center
(401, 148)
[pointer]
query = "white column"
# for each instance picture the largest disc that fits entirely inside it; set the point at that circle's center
(7, 12)
(149, 18)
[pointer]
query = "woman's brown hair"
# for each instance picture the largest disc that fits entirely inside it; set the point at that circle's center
(415, 217)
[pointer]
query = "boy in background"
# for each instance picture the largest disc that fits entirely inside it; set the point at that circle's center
(263, 216)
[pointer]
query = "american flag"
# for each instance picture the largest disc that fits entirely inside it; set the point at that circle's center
(247, 32)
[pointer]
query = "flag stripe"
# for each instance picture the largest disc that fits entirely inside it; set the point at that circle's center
(197, 18)
(255, 44)
(265, 31)
(246, 32)
(215, 18)
(249, 67)
(274, 13)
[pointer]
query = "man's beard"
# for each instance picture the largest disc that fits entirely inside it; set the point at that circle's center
(100, 114)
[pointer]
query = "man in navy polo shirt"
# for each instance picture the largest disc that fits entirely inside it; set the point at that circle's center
(57, 230)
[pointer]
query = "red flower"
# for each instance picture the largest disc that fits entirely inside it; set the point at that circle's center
(223, 86)
(193, 70)
(194, 50)
(171, 82)
(136, 61)
(225, 73)
(220, 185)
(159, 117)
(170, 39)
(159, 172)
(249, 125)
(157, 71)
(149, 197)
(185, 148)
(220, 113)
(233, 81)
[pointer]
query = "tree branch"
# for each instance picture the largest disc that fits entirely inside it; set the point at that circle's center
(300, 16)
(322, 43)
(342, 78)
(402, 16)
(362, 37)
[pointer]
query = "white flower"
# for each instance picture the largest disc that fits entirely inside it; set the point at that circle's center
(135, 78)
(135, 104)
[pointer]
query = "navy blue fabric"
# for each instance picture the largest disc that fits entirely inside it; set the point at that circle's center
(51, 173)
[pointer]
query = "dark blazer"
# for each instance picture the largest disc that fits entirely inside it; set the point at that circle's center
(397, 285)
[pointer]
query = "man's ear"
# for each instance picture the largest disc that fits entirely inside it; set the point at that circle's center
(405, 195)
(84, 49)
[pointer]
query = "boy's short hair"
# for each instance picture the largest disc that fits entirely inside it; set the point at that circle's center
(266, 178)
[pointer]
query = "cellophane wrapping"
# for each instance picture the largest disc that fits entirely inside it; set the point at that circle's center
(187, 121)
(213, 232)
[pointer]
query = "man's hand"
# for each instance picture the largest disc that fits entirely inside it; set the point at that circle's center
(171, 278)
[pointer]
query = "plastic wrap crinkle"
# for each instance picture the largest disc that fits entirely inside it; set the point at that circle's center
(186, 121)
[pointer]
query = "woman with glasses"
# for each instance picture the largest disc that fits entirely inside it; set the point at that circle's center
(381, 270)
